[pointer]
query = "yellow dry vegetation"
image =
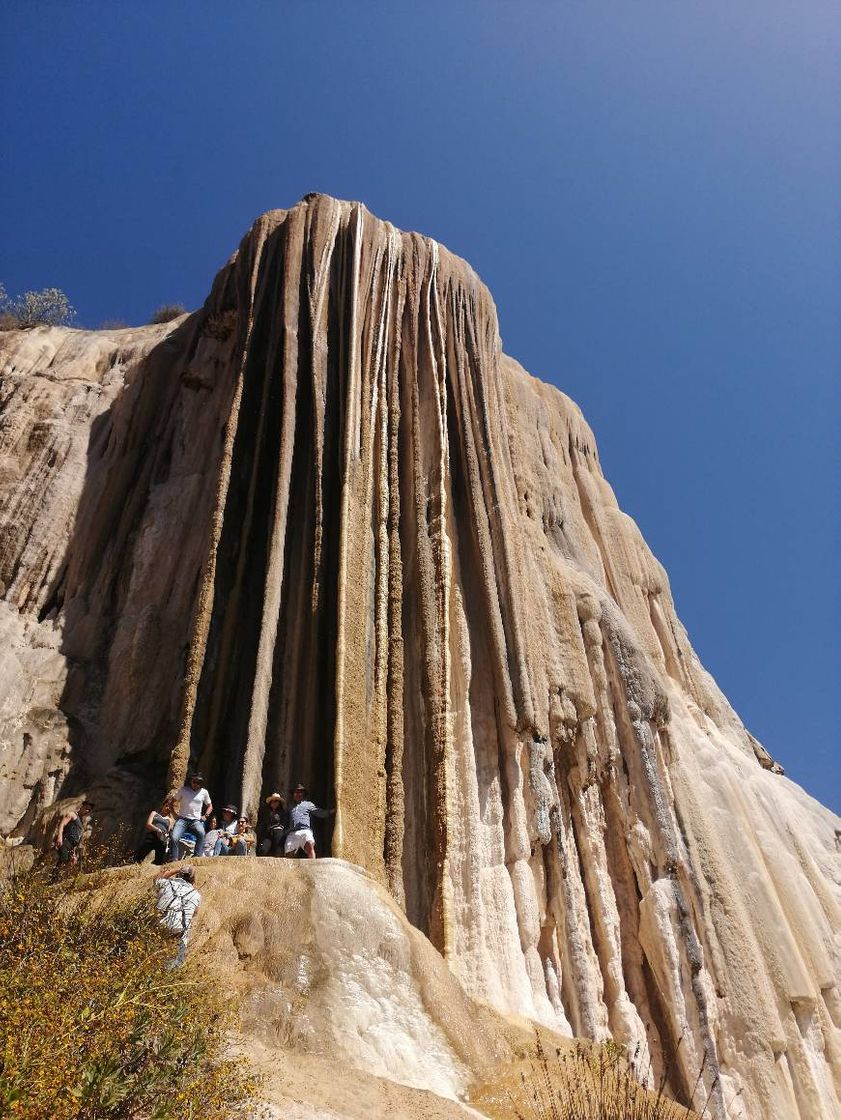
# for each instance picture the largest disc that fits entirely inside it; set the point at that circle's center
(580, 1082)
(93, 1025)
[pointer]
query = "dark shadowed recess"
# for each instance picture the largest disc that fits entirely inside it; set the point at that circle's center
(301, 714)
(220, 721)
(302, 708)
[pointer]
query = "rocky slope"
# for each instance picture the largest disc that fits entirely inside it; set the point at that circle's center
(347, 1010)
(324, 530)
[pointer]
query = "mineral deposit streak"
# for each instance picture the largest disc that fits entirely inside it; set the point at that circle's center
(325, 530)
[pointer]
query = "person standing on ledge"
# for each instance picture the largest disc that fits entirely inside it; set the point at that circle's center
(159, 825)
(68, 838)
(300, 834)
(194, 810)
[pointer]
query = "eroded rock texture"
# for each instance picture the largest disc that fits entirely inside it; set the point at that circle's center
(344, 1005)
(325, 530)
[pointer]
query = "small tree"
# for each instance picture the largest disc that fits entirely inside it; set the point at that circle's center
(49, 305)
(7, 320)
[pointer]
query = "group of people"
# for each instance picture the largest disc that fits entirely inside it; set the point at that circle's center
(186, 825)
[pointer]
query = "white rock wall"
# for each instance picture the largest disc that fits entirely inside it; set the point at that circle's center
(324, 530)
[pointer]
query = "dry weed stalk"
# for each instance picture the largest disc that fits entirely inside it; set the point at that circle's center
(584, 1082)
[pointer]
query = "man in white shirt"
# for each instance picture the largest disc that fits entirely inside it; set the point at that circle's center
(178, 901)
(193, 808)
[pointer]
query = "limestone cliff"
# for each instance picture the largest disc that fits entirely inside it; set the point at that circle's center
(346, 1008)
(323, 529)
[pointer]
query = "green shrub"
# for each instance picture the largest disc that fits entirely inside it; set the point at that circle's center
(168, 312)
(93, 1026)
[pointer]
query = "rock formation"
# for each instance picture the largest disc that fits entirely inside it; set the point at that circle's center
(325, 530)
(344, 1006)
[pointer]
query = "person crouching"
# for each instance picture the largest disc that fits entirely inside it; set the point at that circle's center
(178, 901)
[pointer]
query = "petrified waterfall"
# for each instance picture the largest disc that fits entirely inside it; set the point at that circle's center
(325, 530)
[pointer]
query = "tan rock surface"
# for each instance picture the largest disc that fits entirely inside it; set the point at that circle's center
(345, 1008)
(343, 1005)
(324, 529)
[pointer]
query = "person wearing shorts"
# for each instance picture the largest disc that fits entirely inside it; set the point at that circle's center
(300, 838)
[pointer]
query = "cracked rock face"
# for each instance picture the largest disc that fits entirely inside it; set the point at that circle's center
(325, 530)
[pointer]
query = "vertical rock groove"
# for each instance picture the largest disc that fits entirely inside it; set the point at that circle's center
(324, 530)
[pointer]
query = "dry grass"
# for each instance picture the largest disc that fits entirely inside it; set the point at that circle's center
(168, 312)
(583, 1082)
(93, 1025)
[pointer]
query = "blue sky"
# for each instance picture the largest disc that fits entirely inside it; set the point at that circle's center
(650, 190)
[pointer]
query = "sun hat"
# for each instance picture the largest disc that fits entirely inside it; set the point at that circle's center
(274, 797)
(299, 786)
(231, 809)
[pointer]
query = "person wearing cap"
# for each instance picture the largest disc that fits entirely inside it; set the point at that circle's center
(240, 843)
(178, 901)
(300, 836)
(226, 840)
(275, 826)
(194, 809)
(220, 833)
(68, 837)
